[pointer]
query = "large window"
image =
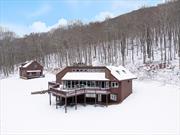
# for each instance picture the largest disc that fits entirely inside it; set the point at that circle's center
(93, 84)
(107, 84)
(69, 84)
(103, 85)
(73, 84)
(88, 84)
(76, 83)
(114, 85)
(81, 84)
(64, 84)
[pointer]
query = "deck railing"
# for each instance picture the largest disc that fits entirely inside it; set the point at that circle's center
(55, 89)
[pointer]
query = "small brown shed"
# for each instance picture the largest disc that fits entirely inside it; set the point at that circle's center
(31, 69)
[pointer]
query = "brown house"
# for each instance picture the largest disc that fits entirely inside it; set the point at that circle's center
(31, 69)
(91, 84)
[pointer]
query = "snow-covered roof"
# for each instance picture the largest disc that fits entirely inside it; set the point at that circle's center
(121, 73)
(27, 64)
(33, 71)
(85, 76)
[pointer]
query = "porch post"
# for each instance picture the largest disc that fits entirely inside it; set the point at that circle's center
(75, 100)
(49, 98)
(65, 104)
(60, 100)
(56, 102)
(106, 100)
(95, 98)
(84, 98)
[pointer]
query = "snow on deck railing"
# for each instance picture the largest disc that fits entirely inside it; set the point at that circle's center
(77, 91)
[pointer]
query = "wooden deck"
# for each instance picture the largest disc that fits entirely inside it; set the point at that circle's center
(55, 90)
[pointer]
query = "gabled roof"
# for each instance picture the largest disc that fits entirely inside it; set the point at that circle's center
(121, 73)
(96, 76)
(27, 64)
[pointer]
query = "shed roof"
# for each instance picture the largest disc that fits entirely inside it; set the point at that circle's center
(27, 64)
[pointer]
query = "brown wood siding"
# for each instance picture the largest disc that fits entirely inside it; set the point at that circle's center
(60, 75)
(126, 89)
(117, 91)
(32, 66)
(109, 75)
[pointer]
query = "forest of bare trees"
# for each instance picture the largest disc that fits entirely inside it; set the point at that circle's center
(139, 33)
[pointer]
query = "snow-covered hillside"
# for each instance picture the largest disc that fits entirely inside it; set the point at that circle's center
(153, 108)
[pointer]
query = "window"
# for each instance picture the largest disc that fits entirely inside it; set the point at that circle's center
(93, 83)
(84, 83)
(107, 84)
(124, 71)
(91, 95)
(113, 97)
(65, 84)
(76, 83)
(88, 83)
(103, 84)
(68, 84)
(73, 84)
(114, 85)
(118, 72)
(81, 84)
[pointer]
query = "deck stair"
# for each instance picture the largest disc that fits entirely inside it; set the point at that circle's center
(40, 92)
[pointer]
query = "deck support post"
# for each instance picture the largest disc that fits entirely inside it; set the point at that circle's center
(49, 98)
(56, 103)
(84, 98)
(95, 100)
(60, 100)
(75, 100)
(106, 100)
(65, 104)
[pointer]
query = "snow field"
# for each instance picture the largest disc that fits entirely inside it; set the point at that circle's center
(153, 108)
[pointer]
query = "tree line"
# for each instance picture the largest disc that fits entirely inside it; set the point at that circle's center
(141, 33)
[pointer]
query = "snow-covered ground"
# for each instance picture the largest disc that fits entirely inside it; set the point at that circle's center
(153, 108)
